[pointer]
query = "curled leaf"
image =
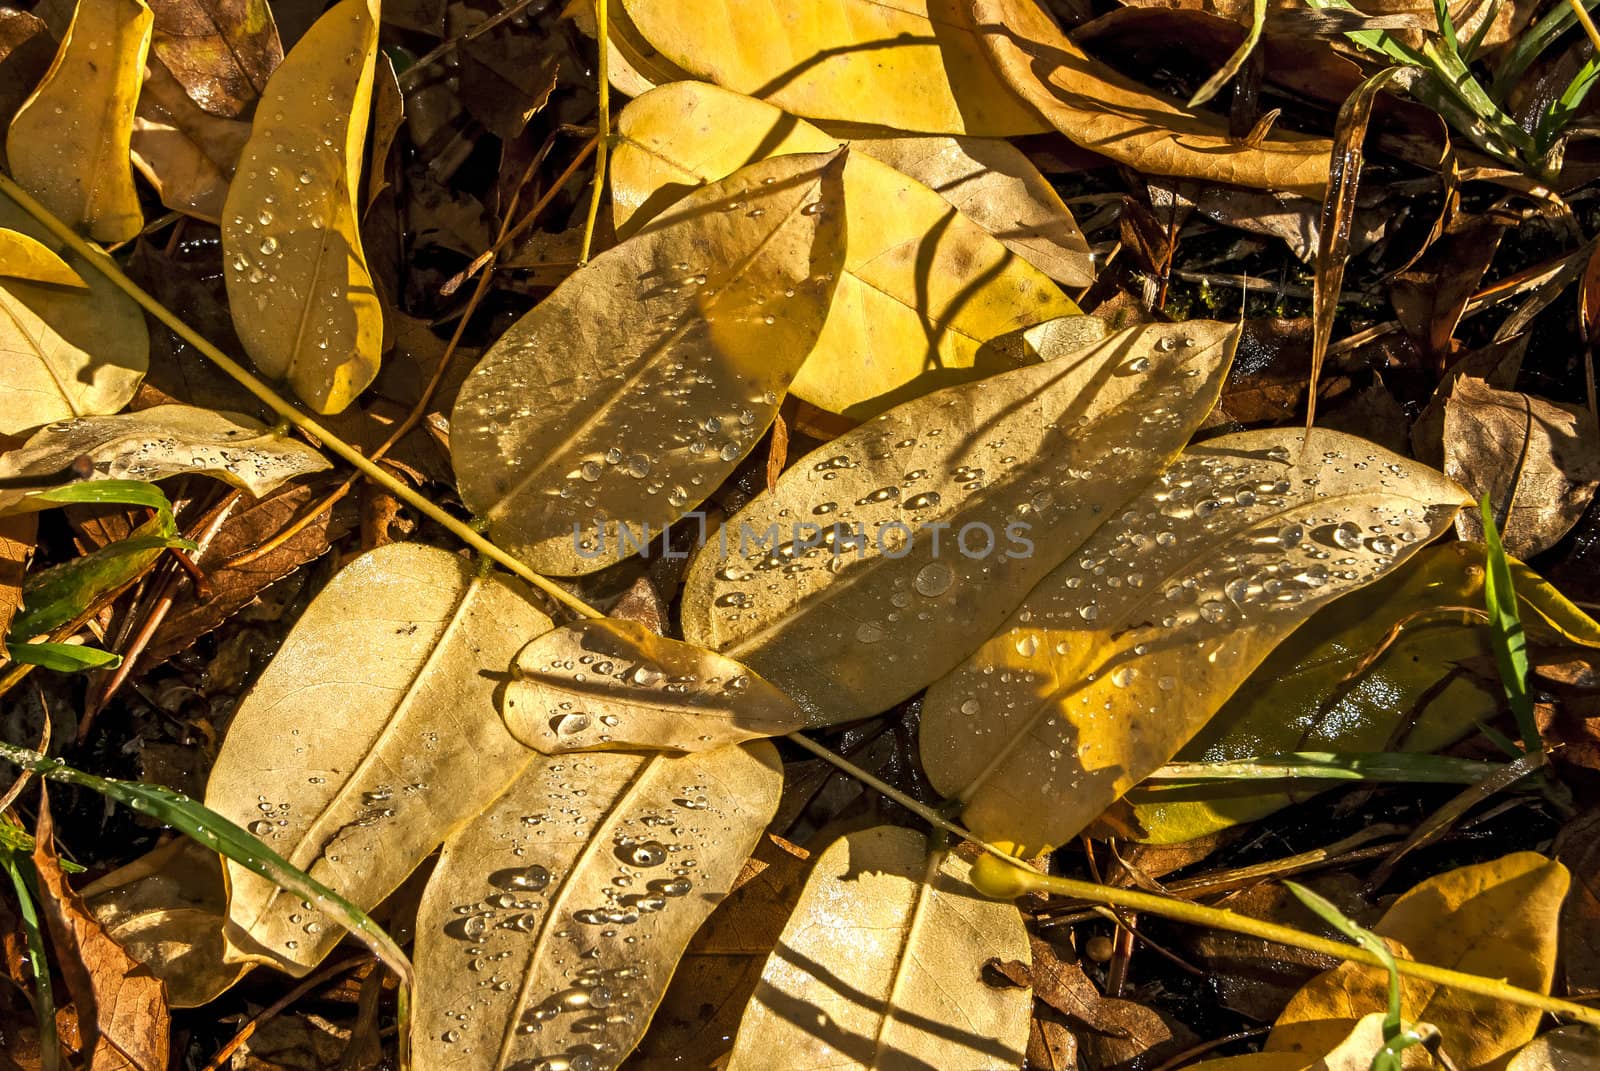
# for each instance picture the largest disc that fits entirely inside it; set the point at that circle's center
(614, 685)
(1120, 655)
(409, 646)
(298, 286)
(68, 145)
(626, 396)
(573, 896)
(925, 526)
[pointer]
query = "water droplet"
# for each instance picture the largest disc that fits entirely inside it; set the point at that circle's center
(1347, 536)
(569, 724)
(269, 244)
(869, 632)
(934, 579)
(590, 471)
(647, 853)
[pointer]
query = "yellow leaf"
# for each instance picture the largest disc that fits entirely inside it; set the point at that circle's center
(65, 352)
(555, 919)
(1496, 919)
(881, 966)
(1568, 1048)
(1354, 1053)
(1123, 652)
(923, 288)
(613, 685)
(298, 286)
(21, 257)
(629, 394)
(186, 153)
(915, 65)
(1111, 114)
(68, 145)
(369, 738)
(956, 523)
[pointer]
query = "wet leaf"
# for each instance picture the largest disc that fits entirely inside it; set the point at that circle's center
(614, 685)
(220, 51)
(64, 351)
(1538, 461)
(17, 537)
(1577, 846)
(965, 498)
(1308, 694)
(1354, 1053)
(21, 257)
(301, 297)
(629, 394)
(153, 444)
(188, 155)
(1111, 114)
(166, 908)
(1496, 919)
(409, 645)
(26, 51)
(68, 145)
(915, 66)
(1567, 1048)
(555, 919)
(881, 966)
(1126, 650)
(923, 286)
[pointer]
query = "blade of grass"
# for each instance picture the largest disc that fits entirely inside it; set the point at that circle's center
(44, 1001)
(1214, 84)
(1506, 635)
(1334, 766)
(62, 657)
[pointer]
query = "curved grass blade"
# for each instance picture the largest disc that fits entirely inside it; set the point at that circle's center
(1334, 766)
(1506, 635)
(44, 1004)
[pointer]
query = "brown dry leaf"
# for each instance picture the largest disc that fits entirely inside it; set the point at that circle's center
(166, 908)
(220, 52)
(68, 145)
(915, 65)
(1102, 110)
(1496, 919)
(26, 49)
(609, 685)
(188, 154)
(1578, 848)
(506, 76)
(17, 536)
(1430, 296)
(1537, 460)
(121, 1006)
(1568, 1048)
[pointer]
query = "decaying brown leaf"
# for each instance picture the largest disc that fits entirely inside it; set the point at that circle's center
(188, 154)
(17, 536)
(220, 51)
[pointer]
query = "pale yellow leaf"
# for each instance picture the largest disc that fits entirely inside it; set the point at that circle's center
(68, 145)
(1495, 919)
(155, 443)
(629, 394)
(965, 499)
(915, 65)
(1567, 1048)
(555, 919)
(186, 153)
(1109, 113)
(65, 352)
(1354, 1053)
(371, 736)
(881, 967)
(1122, 653)
(613, 685)
(21, 257)
(298, 287)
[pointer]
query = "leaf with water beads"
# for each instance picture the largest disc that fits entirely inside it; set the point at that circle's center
(613, 685)
(1125, 650)
(881, 966)
(371, 735)
(298, 287)
(629, 394)
(554, 920)
(966, 498)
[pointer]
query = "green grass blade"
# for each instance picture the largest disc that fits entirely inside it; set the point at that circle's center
(1214, 84)
(62, 657)
(1506, 635)
(44, 1001)
(1390, 766)
(1368, 940)
(109, 492)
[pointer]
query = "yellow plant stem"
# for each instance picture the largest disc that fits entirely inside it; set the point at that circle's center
(288, 412)
(603, 135)
(1585, 21)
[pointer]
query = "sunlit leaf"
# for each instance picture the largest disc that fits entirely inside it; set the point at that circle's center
(1354, 1053)
(1496, 919)
(923, 286)
(554, 920)
(155, 443)
(65, 351)
(21, 257)
(881, 966)
(629, 394)
(964, 500)
(68, 145)
(915, 65)
(62, 657)
(298, 286)
(1105, 111)
(370, 737)
(614, 685)
(1119, 656)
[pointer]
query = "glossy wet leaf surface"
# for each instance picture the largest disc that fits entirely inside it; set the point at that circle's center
(629, 394)
(880, 966)
(615, 685)
(555, 919)
(965, 498)
(1120, 655)
(923, 286)
(410, 646)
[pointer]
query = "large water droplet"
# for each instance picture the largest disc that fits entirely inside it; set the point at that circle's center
(934, 579)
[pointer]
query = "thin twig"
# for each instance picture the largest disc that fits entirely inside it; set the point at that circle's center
(603, 135)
